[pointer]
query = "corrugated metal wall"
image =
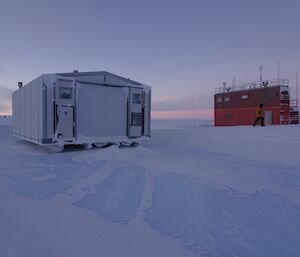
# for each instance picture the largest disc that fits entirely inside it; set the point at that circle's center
(28, 112)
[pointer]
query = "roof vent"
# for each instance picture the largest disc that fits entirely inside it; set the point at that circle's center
(20, 84)
(75, 71)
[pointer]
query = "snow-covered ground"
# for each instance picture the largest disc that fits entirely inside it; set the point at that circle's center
(193, 191)
(5, 120)
(180, 124)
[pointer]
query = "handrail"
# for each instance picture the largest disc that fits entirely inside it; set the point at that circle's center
(293, 103)
(253, 85)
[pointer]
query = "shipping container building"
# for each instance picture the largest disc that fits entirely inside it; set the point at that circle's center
(82, 108)
(234, 106)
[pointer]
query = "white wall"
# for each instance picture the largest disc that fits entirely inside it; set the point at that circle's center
(101, 111)
(28, 110)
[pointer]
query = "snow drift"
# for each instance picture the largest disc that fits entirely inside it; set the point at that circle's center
(193, 191)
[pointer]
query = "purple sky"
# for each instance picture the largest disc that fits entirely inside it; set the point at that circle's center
(183, 49)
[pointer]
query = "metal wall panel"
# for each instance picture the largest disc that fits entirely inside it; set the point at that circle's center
(147, 113)
(101, 111)
(17, 113)
(40, 112)
(48, 95)
(20, 119)
(28, 111)
(22, 112)
(13, 110)
(34, 111)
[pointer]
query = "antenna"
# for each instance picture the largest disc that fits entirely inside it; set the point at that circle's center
(260, 74)
(297, 88)
(233, 82)
(224, 86)
(278, 70)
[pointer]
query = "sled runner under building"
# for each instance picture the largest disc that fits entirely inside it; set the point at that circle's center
(82, 108)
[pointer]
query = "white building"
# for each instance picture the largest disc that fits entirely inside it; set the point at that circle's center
(81, 108)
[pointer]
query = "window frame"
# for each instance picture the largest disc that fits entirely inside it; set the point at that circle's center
(63, 91)
(227, 99)
(135, 122)
(135, 99)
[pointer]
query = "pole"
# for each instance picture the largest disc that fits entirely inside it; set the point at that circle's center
(233, 82)
(297, 88)
(278, 69)
(260, 74)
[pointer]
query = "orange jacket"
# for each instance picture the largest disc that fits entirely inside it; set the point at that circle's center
(259, 112)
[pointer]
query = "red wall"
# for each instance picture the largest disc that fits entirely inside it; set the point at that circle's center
(242, 116)
(239, 111)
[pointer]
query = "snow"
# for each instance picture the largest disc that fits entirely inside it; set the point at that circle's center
(192, 190)
(119, 196)
(5, 120)
(180, 124)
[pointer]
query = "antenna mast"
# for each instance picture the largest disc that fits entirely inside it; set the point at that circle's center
(224, 86)
(297, 88)
(278, 70)
(260, 74)
(233, 82)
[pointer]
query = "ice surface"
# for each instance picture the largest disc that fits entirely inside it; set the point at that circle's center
(36, 173)
(224, 222)
(118, 196)
(42, 177)
(192, 190)
(5, 120)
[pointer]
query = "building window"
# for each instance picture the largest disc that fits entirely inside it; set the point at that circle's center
(227, 99)
(136, 98)
(245, 97)
(136, 119)
(229, 115)
(65, 93)
(219, 100)
(271, 94)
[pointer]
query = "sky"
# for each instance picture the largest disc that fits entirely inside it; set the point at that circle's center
(182, 49)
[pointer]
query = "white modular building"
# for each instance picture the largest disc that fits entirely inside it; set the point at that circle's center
(82, 108)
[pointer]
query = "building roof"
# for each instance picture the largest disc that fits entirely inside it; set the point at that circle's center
(99, 73)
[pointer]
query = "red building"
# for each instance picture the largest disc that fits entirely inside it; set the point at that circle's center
(236, 105)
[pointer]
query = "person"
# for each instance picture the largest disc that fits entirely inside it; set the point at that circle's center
(260, 115)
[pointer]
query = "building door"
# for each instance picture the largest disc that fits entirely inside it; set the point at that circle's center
(135, 116)
(64, 108)
(65, 122)
(268, 118)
